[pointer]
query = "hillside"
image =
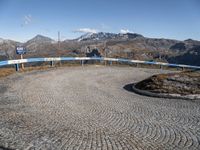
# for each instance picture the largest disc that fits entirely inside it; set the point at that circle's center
(129, 45)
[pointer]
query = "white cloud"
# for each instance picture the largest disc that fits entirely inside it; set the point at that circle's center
(124, 31)
(86, 30)
(27, 19)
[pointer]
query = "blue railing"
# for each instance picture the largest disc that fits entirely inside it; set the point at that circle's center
(53, 59)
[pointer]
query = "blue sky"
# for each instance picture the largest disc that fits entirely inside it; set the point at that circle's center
(176, 19)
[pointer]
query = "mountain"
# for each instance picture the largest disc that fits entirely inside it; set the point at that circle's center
(7, 48)
(185, 45)
(1, 40)
(129, 45)
(39, 39)
(39, 43)
(191, 57)
(96, 36)
(102, 36)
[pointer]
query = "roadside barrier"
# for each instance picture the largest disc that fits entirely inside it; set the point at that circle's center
(82, 59)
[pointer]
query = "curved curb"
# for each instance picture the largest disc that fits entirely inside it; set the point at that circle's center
(169, 96)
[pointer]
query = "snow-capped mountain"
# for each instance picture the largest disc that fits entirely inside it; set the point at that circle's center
(106, 36)
(96, 36)
(85, 36)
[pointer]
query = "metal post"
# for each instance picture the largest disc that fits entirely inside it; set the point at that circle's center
(58, 40)
(17, 67)
(82, 62)
(161, 67)
(22, 63)
(137, 65)
(111, 63)
(51, 63)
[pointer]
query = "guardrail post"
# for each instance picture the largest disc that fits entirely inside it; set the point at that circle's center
(51, 63)
(82, 63)
(137, 65)
(111, 63)
(17, 67)
(161, 67)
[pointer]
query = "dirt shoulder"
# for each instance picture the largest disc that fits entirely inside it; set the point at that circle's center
(8, 71)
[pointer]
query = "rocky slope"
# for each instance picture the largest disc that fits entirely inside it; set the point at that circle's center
(7, 48)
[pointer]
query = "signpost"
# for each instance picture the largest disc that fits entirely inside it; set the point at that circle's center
(20, 50)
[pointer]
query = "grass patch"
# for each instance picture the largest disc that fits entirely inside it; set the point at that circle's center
(6, 71)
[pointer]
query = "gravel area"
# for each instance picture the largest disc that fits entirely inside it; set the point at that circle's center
(88, 108)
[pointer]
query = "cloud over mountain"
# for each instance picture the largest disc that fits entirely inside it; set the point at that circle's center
(124, 31)
(86, 30)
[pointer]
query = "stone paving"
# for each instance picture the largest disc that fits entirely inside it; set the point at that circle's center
(87, 108)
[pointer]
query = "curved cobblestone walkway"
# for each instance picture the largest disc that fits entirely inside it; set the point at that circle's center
(88, 108)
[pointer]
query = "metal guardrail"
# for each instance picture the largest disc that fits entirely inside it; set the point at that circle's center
(52, 59)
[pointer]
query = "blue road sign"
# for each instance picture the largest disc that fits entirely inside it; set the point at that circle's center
(20, 50)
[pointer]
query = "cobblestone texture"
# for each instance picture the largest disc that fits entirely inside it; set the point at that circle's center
(87, 108)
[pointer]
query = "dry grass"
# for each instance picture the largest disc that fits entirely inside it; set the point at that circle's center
(191, 74)
(26, 69)
(186, 82)
(6, 71)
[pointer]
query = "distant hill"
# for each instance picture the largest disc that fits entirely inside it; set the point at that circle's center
(129, 45)
(39, 39)
(39, 44)
(191, 57)
(7, 48)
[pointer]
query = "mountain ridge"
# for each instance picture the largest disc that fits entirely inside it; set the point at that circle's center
(129, 45)
(87, 36)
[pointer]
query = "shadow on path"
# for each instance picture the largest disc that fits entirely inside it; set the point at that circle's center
(3, 148)
(128, 87)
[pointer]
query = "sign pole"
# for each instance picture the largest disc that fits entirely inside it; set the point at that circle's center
(22, 63)
(20, 50)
